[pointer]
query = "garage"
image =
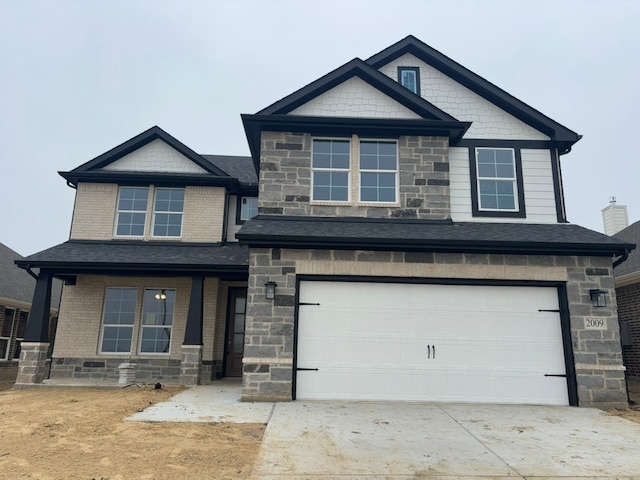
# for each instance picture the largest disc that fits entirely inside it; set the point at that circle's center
(429, 342)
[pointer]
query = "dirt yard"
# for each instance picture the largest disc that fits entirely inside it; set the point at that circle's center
(55, 434)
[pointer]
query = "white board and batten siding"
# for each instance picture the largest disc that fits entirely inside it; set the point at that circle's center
(488, 120)
(539, 197)
(417, 342)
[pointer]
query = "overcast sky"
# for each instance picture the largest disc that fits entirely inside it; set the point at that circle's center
(80, 77)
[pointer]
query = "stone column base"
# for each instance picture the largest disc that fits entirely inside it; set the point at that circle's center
(191, 365)
(33, 363)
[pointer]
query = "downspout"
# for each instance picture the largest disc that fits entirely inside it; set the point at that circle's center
(622, 259)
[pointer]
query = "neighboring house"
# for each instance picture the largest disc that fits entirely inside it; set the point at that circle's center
(411, 244)
(627, 278)
(16, 292)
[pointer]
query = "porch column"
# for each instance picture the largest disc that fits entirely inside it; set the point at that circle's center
(33, 356)
(191, 364)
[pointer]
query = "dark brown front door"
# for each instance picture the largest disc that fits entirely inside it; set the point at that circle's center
(235, 331)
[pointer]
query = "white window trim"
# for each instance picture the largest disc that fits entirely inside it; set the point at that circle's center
(154, 212)
(146, 213)
(354, 174)
(347, 170)
(514, 181)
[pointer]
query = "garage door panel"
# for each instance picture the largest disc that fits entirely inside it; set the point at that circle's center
(375, 341)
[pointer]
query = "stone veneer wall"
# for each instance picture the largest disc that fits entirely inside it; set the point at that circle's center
(629, 313)
(285, 180)
(269, 346)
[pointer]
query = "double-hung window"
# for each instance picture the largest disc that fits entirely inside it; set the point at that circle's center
(167, 212)
(132, 211)
(497, 184)
(331, 164)
(157, 321)
(378, 171)
(118, 320)
(23, 317)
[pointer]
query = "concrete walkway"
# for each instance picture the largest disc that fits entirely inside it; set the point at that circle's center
(362, 440)
(216, 403)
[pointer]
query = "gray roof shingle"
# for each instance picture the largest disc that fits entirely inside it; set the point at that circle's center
(238, 167)
(565, 239)
(16, 284)
(141, 256)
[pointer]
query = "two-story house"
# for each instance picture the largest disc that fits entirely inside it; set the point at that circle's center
(411, 243)
(150, 277)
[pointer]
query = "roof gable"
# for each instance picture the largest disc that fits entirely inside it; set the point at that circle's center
(377, 80)
(477, 84)
(139, 141)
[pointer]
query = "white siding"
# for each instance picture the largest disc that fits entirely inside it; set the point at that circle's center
(354, 98)
(489, 121)
(538, 188)
(156, 156)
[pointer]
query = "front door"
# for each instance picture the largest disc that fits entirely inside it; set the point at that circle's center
(235, 332)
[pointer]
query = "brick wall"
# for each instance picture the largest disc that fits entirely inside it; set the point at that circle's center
(629, 313)
(95, 208)
(285, 180)
(269, 336)
(79, 326)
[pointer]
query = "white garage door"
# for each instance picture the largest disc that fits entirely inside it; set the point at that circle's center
(416, 342)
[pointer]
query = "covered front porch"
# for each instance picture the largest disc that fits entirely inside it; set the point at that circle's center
(168, 313)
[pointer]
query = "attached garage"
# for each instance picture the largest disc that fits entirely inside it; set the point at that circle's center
(430, 342)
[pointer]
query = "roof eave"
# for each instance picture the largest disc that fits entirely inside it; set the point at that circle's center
(255, 124)
(442, 246)
(138, 178)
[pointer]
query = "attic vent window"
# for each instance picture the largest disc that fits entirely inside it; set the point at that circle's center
(409, 78)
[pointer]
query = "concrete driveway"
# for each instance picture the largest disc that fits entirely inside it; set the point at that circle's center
(358, 440)
(362, 440)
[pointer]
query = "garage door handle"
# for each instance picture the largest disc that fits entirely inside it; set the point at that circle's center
(307, 369)
(555, 375)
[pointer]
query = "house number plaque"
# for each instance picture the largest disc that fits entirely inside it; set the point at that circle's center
(595, 323)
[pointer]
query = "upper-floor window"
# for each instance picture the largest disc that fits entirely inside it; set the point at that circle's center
(331, 164)
(369, 167)
(132, 211)
(496, 177)
(167, 212)
(248, 208)
(378, 171)
(409, 78)
(133, 207)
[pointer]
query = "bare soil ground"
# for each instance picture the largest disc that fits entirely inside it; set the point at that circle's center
(52, 434)
(634, 409)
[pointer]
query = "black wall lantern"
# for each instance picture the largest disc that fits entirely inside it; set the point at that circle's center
(598, 297)
(270, 290)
